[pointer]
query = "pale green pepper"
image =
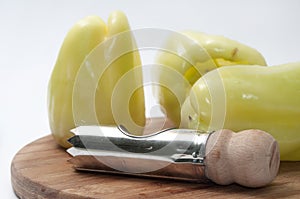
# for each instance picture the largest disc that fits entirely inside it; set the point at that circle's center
(81, 40)
(219, 51)
(249, 97)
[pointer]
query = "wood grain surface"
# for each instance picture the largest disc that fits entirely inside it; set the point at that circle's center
(41, 170)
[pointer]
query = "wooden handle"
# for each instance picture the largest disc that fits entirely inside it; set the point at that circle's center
(250, 158)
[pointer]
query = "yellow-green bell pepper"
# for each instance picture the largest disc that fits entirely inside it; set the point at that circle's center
(219, 51)
(81, 40)
(253, 97)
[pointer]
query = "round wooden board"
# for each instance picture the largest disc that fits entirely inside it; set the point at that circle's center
(41, 170)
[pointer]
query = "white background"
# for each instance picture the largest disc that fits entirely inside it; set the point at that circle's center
(31, 33)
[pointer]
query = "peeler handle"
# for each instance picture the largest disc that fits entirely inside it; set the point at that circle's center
(249, 158)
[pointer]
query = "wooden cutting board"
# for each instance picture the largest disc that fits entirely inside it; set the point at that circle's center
(41, 170)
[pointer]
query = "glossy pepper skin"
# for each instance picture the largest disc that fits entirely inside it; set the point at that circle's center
(219, 51)
(83, 37)
(266, 98)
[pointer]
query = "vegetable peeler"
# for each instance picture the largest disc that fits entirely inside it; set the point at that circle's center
(249, 158)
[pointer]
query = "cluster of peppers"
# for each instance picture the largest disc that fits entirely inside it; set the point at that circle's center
(233, 89)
